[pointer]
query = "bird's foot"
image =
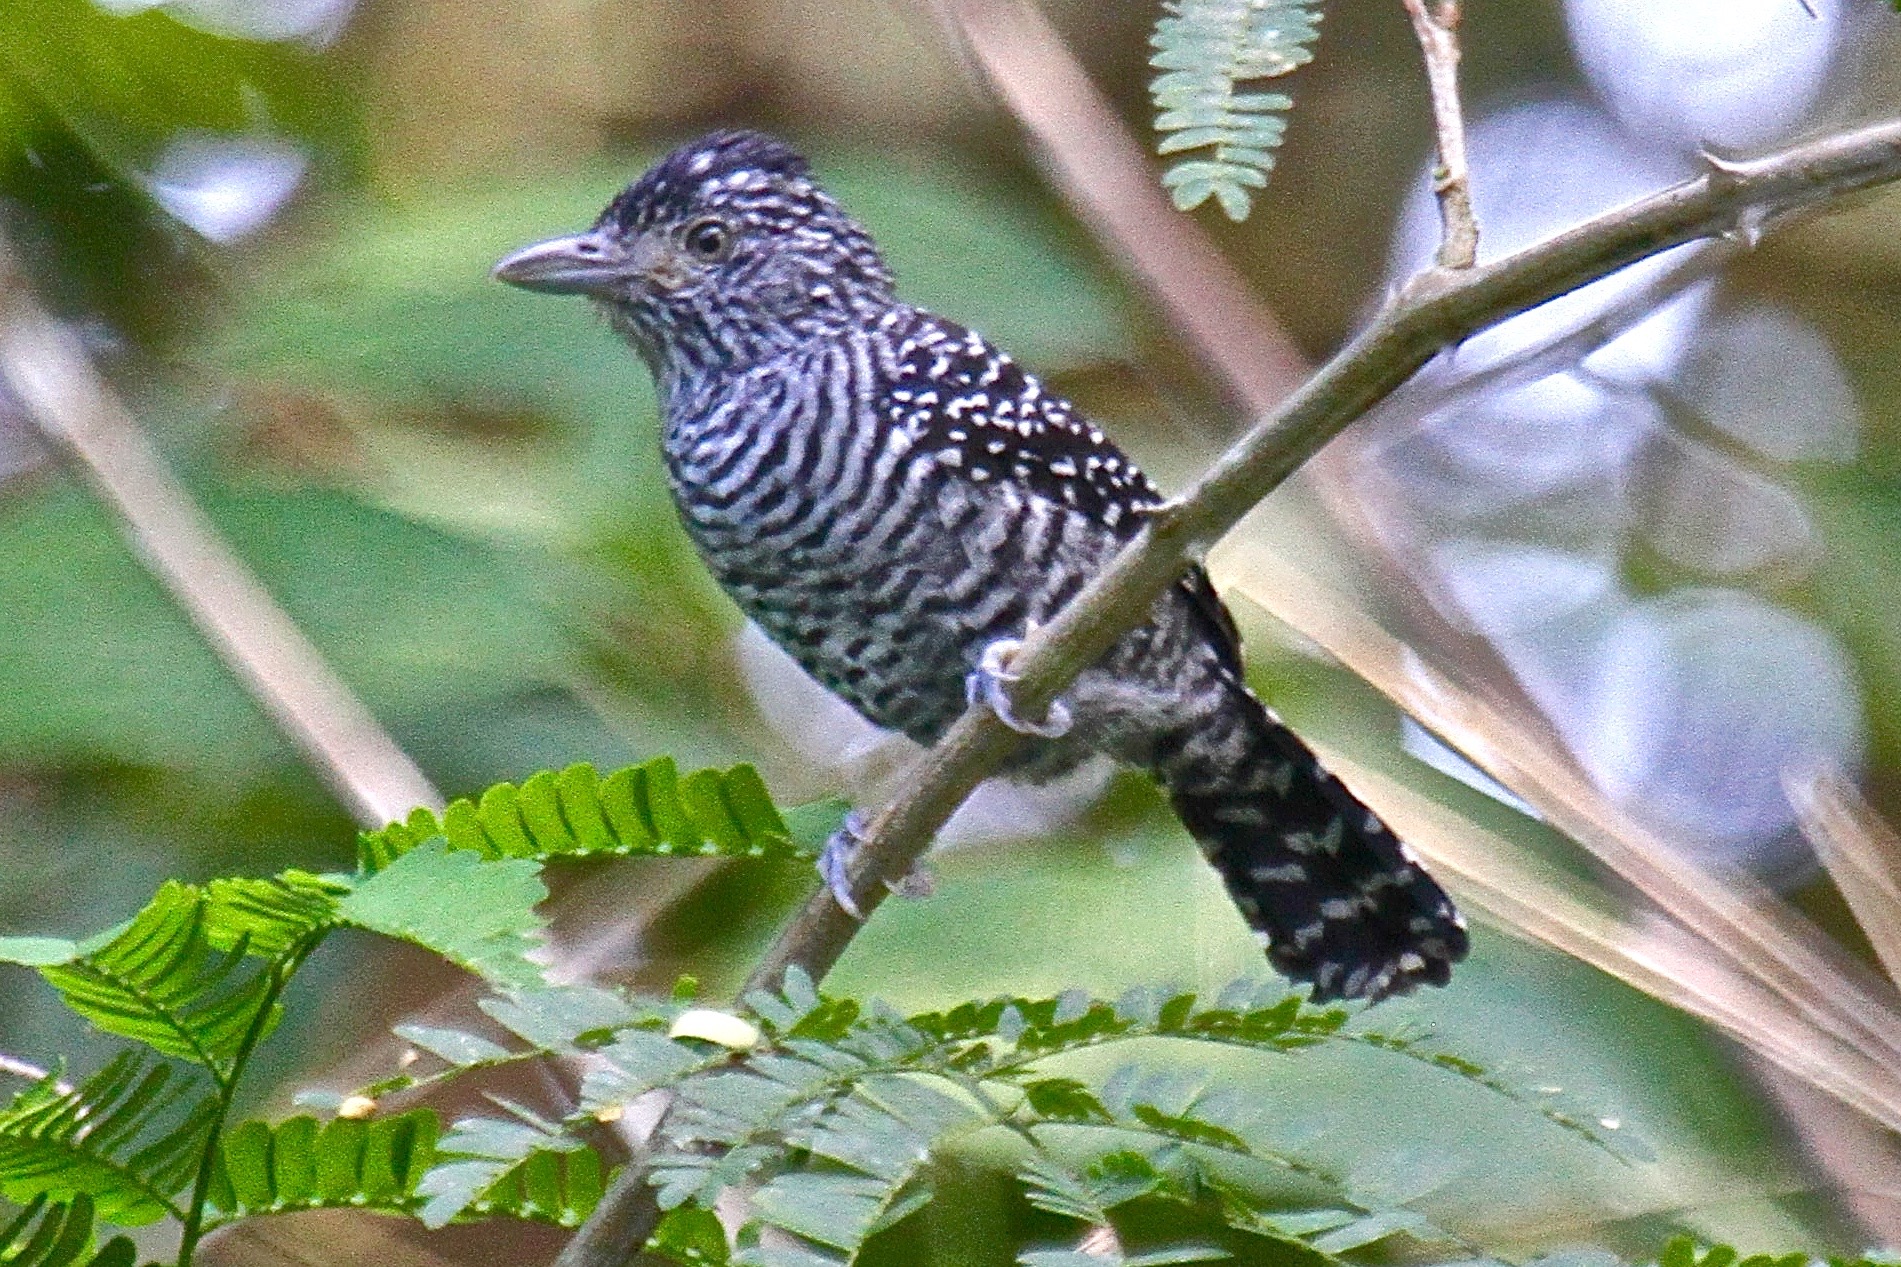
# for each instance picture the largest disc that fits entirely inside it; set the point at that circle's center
(834, 867)
(989, 682)
(834, 862)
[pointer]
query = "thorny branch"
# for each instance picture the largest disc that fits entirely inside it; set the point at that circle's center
(1436, 23)
(1435, 311)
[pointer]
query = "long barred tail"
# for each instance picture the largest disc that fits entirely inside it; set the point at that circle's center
(1342, 901)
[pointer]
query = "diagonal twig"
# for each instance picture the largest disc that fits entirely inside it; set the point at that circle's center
(1435, 311)
(1436, 23)
(1862, 854)
(14, 1067)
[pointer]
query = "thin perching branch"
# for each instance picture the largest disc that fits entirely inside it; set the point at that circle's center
(43, 365)
(1435, 311)
(1436, 23)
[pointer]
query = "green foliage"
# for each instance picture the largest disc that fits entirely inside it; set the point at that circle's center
(304, 1164)
(832, 1120)
(48, 1234)
(128, 1138)
(830, 1117)
(690, 1236)
(162, 982)
(1683, 1252)
(196, 976)
(103, 667)
(124, 84)
(476, 912)
(1205, 49)
(521, 1166)
(645, 809)
(273, 918)
(90, 99)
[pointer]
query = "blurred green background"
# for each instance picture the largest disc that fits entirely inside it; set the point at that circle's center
(453, 488)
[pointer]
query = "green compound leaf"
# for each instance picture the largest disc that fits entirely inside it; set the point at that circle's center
(830, 1120)
(270, 918)
(175, 978)
(304, 1164)
(474, 911)
(1204, 49)
(1681, 1251)
(520, 1167)
(128, 1138)
(52, 1234)
(648, 809)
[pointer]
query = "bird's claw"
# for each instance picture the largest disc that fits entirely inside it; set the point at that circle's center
(834, 867)
(988, 684)
(834, 862)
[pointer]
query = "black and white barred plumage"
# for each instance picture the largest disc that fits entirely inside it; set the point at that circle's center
(888, 495)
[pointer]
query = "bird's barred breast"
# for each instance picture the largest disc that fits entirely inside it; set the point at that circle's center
(881, 567)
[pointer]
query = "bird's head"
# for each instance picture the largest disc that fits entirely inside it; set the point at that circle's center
(724, 251)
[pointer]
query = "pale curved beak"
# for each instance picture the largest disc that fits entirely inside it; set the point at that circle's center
(585, 264)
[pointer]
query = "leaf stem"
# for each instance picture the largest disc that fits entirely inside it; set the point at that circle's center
(14, 1067)
(281, 973)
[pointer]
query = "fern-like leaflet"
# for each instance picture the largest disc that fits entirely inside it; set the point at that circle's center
(648, 809)
(832, 1120)
(49, 1234)
(129, 1139)
(163, 981)
(1205, 49)
(304, 1164)
(520, 1166)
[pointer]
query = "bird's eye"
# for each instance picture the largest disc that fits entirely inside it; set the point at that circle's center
(707, 239)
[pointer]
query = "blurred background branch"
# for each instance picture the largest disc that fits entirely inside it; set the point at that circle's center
(54, 384)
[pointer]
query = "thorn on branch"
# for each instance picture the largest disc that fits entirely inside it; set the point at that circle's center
(1751, 224)
(1721, 172)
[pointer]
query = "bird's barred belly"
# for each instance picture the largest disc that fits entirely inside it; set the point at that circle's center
(889, 600)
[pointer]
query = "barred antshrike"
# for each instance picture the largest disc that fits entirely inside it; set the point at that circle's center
(894, 500)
